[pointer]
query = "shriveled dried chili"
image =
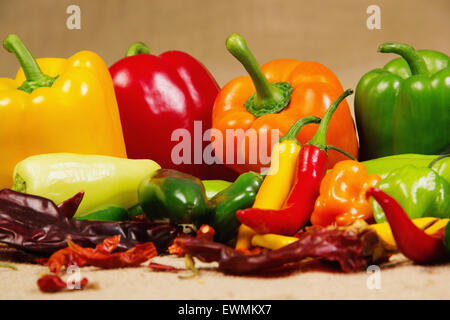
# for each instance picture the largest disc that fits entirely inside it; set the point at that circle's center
(36, 224)
(352, 247)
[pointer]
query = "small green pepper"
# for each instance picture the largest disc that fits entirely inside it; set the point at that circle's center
(240, 195)
(419, 190)
(107, 213)
(171, 194)
(213, 187)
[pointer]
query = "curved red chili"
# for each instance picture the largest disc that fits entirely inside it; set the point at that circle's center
(412, 241)
(311, 168)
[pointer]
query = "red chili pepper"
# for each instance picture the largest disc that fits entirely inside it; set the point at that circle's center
(157, 95)
(412, 241)
(311, 168)
(53, 283)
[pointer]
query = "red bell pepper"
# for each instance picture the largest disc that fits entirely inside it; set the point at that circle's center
(159, 94)
(311, 168)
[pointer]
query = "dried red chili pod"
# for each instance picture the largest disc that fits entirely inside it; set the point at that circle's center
(51, 283)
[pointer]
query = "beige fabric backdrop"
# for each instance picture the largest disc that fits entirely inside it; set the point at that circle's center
(329, 31)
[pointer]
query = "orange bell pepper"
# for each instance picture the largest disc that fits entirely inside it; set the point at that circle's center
(273, 98)
(342, 198)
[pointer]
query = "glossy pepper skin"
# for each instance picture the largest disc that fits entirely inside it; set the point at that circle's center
(105, 180)
(239, 195)
(404, 107)
(173, 195)
(420, 191)
(412, 241)
(273, 98)
(280, 177)
(158, 95)
(384, 165)
(57, 105)
(342, 199)
(298, 207)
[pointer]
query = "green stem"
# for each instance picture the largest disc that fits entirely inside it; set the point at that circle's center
(432, 163)
(345, 153)
(407, 52)
(269, 97)
(297, 126)
(319, 139)
(33, 73)
(137, 48)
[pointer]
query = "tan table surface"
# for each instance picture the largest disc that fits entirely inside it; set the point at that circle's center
(400, 279)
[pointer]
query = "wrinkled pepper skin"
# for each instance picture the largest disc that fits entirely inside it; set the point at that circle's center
(105, 180)
(77, 113)
(240, 195)
(384, 165)
(173, 195)
(158, 95)
(405, 106)
(421, 192)
(342, 198)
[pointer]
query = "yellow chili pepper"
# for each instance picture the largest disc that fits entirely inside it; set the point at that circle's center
(278, 182)
(57, 105)
(272, 241)
(384, 230)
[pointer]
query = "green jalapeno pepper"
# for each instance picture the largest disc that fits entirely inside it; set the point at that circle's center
(107, 213)
(239, 195)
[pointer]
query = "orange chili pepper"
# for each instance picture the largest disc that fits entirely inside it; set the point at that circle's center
(342, 198)
(273, 98)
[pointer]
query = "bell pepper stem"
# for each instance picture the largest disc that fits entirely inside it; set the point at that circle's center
(33, 73)
(137, 48)
(297, 126)
(269, 97)
(319, 138)
(407, 52)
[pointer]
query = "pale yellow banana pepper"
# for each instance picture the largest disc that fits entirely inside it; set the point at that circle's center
(57, 105)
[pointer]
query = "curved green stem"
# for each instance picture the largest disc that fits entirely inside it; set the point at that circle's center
(297, 126)
(33, 73)
(434, 161)
(407, 52)
(269, 97)
(319, 139)
(345, 153)
(137, 48)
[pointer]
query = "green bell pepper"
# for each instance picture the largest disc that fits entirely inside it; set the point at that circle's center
(173, 195)
(404, 107)
(420, 191)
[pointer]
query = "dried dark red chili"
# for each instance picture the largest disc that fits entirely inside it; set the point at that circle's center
(36, 224)
(352, 248)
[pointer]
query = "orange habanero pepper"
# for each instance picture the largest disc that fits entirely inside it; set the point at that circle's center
(342, 198)
(274, 97)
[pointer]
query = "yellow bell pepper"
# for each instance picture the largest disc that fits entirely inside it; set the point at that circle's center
(57, 105)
